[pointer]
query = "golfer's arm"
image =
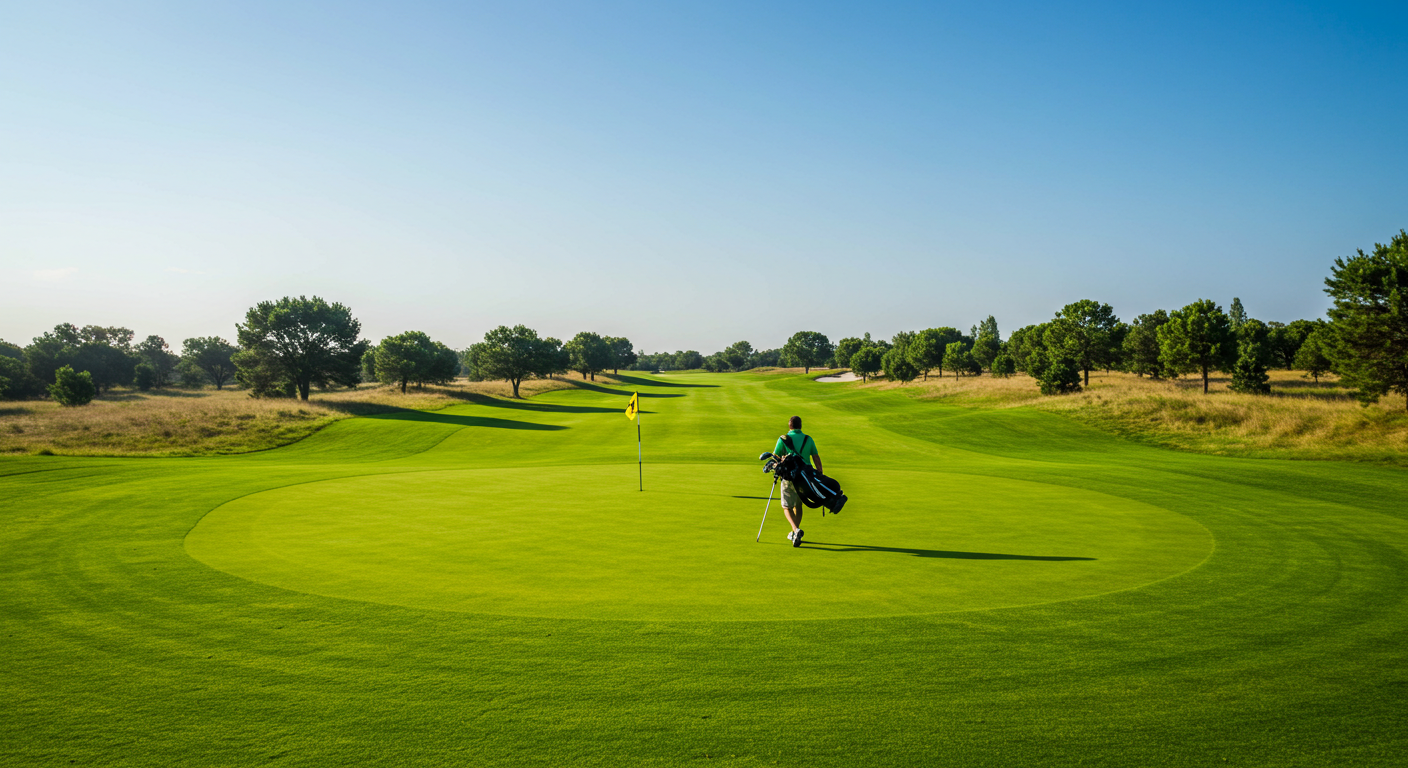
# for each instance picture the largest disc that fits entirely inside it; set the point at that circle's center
(816, 462)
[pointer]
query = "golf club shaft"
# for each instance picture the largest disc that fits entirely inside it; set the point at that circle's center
(765, 510)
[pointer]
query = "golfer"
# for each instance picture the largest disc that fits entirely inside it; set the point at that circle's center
(791, 501)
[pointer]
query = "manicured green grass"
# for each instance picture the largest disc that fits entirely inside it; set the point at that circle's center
(484, 585)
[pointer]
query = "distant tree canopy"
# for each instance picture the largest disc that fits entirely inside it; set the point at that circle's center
(516, 353)
(1084, 331)
(623, 353)
(1141, 344)
(841, 356)
(926, 349)
(154, 352)
(867, 361)
(589, 354)
(957, 358)
(1313, 356)
(72, 387)
(987, 343)
(1369, 319)
(412, 357)
(210, 357)
(898, 366)
(290, 345)
(807, 349)
(1197, 338)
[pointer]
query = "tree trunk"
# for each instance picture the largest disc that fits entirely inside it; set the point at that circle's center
(514, 382)
(1087, 377)
(806, 369)
(1205, 379)
(303, 390)
(403, 386)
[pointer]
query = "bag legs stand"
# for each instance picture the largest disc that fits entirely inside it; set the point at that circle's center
(765, 510)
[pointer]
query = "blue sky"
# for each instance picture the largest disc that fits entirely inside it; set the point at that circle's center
(689, 174)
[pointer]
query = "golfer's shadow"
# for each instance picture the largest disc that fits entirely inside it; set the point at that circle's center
(948, 554)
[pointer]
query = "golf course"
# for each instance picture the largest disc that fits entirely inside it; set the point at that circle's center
(486, 585)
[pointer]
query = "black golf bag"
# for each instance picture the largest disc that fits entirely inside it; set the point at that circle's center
(816, 489)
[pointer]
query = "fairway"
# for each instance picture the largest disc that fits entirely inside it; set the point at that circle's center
(486, 584)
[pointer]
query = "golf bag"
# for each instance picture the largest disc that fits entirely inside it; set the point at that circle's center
(816, 489)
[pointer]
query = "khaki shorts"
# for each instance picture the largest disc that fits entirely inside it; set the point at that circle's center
(790, 497)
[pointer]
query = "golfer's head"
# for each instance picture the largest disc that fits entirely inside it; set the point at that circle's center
(794, 423)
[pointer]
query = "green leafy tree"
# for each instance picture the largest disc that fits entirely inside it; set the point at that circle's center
(108, 365)
(1060, 375)
(1286, 338)
(1141, 344)
(867, 361)
(898, 367)
(472, 363)
(145, 376)
(1249, 372)
(1197, 338)
(987, 343)
(16, 382)
(737, 355)
(957, 358)
(404, 358)
(1236, 316)
(589, 354)
(72, 387)
(623, 353)
(514, 354)
(689, 360)
(1027, 345)
(841, 357)
(212, 356)
(157, 355)
(1004, 365)
(807, 349)
(1313, 356)
(1085, 332)
(926, 350)
(553, 359)
(369, 364)
(1370, 319)
(291, 345)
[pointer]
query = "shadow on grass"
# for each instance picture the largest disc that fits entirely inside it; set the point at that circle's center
(606, 391)
(531, 405)
(639, 382)
(15, 411)
(947, 554)
(434, 417)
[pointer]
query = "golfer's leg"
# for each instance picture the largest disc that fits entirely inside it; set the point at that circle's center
(791, 515)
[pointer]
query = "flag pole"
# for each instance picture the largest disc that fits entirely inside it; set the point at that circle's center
(640, 463)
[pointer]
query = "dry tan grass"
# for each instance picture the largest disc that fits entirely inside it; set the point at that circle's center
(1299, 419)
(209, 422)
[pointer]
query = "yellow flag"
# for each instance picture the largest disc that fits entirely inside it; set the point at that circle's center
(634, 407)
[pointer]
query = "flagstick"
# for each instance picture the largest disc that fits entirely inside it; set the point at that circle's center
(640, 468)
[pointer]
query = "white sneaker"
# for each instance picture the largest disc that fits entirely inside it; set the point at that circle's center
(790, 534)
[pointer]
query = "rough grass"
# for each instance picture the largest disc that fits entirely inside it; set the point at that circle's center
(1300, 419)
(175, 422)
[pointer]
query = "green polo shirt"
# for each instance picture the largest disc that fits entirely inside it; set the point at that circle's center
(806, 447)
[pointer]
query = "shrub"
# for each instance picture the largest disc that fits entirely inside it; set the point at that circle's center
(72, 387)
(1004, 365)
(1061, 376)
(145, 376)
(1249, 373)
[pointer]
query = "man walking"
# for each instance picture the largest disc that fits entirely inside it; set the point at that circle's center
(803, 446)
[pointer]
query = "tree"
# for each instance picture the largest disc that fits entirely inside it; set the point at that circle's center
(737, 354)
(157, 355)
(145, 376)
(1313, 357)
(294, 344)
(1197, 338)
(72, 387)
(553, 358)
(1027, 345)
(210, 355)
(1286, 338)
(1004, 365)
(987, 342)
(589, 354)
(472, 363)
(1370, 319)
(926, 350)
(16, 382)
(1236, 315)
(1249, 372)
(807, 349)
(898, 366)
(404, 358)
(1060, 375)
(957, 359)
(846, 347)
(623, 353)
(513, 354)
(1085, 332)
(1141, 344)
(867, 361)
(107, 365)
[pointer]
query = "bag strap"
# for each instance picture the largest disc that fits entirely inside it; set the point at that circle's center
(788, 440)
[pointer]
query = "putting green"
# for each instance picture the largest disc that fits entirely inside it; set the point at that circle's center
(912, 542)
(484, 585)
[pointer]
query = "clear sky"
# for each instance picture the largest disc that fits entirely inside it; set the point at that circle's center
(688, 174)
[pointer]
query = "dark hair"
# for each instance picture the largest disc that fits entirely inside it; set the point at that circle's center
(794, 423)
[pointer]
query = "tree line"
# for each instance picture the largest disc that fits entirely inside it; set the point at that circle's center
(286, 347)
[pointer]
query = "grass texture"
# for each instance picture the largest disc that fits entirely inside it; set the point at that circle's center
(483, 585)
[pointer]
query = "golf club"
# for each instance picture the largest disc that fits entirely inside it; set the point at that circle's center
(765, 511)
